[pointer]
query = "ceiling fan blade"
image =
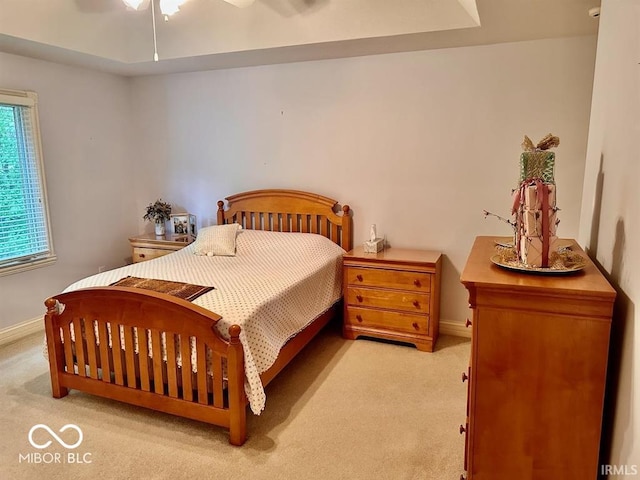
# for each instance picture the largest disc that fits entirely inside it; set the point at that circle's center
(136, 4)
(240, 3)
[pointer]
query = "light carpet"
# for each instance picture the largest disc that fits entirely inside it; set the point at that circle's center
(342, 409)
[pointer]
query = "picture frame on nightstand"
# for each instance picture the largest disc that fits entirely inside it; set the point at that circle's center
(193, 229)
(179, 224)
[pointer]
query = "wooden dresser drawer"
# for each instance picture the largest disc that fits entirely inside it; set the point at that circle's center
(399, 279)
(388, 299)
(395, 321)
(143, 254)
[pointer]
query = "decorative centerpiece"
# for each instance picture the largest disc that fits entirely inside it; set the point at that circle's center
(535, 244)
(158, 212)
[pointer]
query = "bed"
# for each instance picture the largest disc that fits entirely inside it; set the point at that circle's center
(211, 377)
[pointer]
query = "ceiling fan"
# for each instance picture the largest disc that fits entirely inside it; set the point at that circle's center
(168, 8)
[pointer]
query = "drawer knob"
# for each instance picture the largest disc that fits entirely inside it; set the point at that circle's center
(416, 326)
(359, 318)
(462, 429)
(142, 255)
(467, 323)
(464, 377)
(359, 278)
(417, 283)
(416, 303)
(359, 298)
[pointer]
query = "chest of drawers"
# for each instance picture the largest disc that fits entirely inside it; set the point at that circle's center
(537, 370)
(393, 294)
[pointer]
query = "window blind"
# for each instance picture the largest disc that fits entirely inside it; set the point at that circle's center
(24, 227)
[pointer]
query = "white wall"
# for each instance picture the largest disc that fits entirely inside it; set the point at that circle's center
(84, 122)
(609, 224)
(418, 143)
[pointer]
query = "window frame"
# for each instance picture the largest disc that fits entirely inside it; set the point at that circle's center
(24, 98)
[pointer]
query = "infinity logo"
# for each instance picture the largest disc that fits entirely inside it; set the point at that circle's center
(53, 434)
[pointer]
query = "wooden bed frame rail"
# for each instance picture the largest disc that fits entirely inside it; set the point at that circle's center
(140, 323)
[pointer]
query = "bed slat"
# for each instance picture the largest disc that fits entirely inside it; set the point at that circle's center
(218, 400)
(201, 375)
(79, 343)
(91, 349)
(156, 351)
(116, 350)
(185, 355)
(172, 364)
(68, 353)
(334, 233)
(103, 338)
(143, 359)
(129, 352)
(324, 230)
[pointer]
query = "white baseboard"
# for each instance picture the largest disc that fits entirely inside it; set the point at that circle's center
(457, 329)
(21, 330)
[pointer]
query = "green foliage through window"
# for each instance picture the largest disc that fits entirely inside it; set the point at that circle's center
(24, 234)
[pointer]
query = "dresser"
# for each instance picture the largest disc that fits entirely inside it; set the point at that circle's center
(393, 294)
(537, 371)
(147, 246)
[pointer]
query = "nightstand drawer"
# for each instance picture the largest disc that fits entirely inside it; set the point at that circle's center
(388, 299)
(402, 280)
(394, 321)
(143, 254)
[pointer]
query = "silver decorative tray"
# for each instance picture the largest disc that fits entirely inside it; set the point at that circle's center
(521, 267)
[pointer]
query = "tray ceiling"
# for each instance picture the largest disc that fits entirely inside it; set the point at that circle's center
(211, 34)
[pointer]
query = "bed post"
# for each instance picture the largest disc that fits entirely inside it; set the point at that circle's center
(237, 397)
(346, 228)
(220, 212)
(56, 355)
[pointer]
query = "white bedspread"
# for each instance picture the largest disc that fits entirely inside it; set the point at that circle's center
(275, 286)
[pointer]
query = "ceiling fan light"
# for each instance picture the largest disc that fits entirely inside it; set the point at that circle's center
(134, 4)
(169, 7)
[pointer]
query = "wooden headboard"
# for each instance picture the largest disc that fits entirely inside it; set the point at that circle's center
(289, 211)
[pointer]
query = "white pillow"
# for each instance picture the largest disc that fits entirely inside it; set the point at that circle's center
(217, 240)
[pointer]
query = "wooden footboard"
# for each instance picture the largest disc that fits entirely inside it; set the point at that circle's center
(133, 349)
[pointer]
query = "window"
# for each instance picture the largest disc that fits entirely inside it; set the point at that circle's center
(25, 233)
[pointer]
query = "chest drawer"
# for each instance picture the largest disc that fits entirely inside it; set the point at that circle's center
(388, 299)
(386, 320)
(143, 254)
(399, 279)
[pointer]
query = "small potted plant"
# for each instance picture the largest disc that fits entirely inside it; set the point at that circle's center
(158, 212)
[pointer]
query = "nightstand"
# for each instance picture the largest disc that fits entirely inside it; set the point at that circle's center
(147, 246)
(393, 294)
